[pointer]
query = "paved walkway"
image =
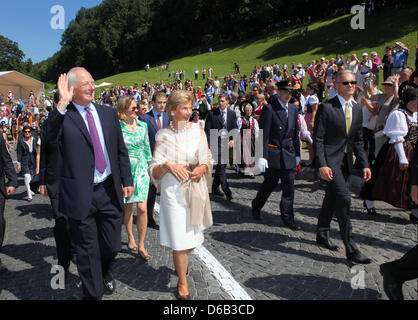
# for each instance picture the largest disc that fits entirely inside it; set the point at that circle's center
(240, 259)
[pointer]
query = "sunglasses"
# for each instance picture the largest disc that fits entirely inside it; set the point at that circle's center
(26, 131)
(135, 108)
(346, 83)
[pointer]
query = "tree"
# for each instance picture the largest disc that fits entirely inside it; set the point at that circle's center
(11, 57)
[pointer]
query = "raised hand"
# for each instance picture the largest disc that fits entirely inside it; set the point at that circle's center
(66, 92)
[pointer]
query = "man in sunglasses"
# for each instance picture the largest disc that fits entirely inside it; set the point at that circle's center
(337, 135)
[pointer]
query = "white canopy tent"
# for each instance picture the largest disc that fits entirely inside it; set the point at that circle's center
(103, 84)
(20, 85)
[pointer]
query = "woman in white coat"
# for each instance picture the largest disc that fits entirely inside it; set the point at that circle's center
(181, 169)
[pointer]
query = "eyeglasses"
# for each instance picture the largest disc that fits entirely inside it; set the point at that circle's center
(346, 83)
(135, 108)
(26, 131)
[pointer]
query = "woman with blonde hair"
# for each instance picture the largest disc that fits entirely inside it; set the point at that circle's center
(135, 135)
(181, 169)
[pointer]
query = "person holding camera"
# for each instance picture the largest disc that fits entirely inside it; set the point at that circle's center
(400, 57)
(376, 66)
(365, 68)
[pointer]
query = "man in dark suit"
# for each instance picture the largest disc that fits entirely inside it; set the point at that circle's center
(94, 177)
(221, 118)
(156, 119)
(337, 135)
(49, 184)
(7, 170)
(281, 152)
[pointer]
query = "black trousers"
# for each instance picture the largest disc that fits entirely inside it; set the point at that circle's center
(369, 143)
(2, 220)
(271, 179)
(152, 194)
(97, 239)
(337, 201)
(405, 268)
(62, 234)
(220, 179)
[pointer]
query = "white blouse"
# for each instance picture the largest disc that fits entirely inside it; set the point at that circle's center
(305, 134)
(256, 127)
(396, 126)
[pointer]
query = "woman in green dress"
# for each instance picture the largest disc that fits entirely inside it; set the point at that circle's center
(135, 134)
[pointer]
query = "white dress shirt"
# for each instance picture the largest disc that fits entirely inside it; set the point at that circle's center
(343, 102)
(98, 177)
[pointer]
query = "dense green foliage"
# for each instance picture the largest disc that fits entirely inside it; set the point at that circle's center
(124, 35)
(12, 58)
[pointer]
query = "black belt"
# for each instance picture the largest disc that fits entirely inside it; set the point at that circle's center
(105, 183)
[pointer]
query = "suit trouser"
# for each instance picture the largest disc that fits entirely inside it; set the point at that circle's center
(152, 195)
(271, 179)
(337, 200)
(97, 239)
(405, 268)
(2, 220)
(62, 234)
(220, 179)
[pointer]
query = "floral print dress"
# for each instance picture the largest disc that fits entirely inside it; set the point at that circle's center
(139, 152)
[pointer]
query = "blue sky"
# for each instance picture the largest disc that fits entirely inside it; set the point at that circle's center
(28, 22)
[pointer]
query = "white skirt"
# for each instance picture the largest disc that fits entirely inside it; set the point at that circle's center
(175, 229)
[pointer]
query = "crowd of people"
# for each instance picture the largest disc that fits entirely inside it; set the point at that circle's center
(99, 161)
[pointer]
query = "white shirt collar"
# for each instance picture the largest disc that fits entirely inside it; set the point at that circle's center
(343, 101)
(81, 108)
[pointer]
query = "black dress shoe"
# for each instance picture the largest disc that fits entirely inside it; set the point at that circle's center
(256, 214)
(292, 225)
(109, 283)
(229, 198)
(370, 211)
(358, 257)
(326, 243)
(413, 219)
(152, 224)
(218, 193)
(392, 287)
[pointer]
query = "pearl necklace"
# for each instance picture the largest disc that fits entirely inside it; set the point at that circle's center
(179, 131)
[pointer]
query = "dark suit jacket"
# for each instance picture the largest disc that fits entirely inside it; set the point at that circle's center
(7, 170)
(77, 164)
(330, 136)
(24, 156)
(215, 121)
(49, 172)
(281, 143)
(149, 119)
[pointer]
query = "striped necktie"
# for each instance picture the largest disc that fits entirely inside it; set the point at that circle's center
(99, 158)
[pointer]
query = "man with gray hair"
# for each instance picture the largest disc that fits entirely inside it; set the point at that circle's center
(337, 135)
(95, 176)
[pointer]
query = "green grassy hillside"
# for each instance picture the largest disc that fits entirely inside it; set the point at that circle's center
(382, 29)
